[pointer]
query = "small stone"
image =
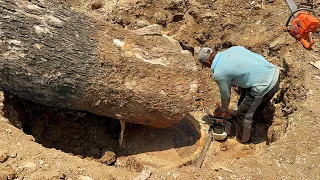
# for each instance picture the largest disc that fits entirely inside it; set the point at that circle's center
(31, 138)
(252, 146)
(30, 165)
(197, 50)
(144, 175)
(257, 7)
(224, 146)
(59, 177)
(142, 23)
(154, 29)
(233, 176)
(277, 42)
(160, 17)
(3, 156)
(8, 131)
(84, 178)
(13, 155)
(108, 157)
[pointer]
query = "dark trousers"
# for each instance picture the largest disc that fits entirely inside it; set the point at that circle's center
(250, 108)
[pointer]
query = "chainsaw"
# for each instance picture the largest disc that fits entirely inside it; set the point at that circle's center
(220, 127)
(303, 24)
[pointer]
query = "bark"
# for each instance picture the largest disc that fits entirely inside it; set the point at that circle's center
(52, 55)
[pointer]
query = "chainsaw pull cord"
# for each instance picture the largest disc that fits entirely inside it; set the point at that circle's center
(308, 43)
(300, 9)
(310, 37)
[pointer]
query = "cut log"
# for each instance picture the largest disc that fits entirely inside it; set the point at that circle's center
(52, 55)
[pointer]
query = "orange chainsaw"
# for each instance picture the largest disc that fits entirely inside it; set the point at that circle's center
(303, 24)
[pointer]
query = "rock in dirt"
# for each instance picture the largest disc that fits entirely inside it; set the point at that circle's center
(277, 44)
(161, 17)
(60, 176)
(13, 155)
(144, 175)
(142, 23)
(224, 146)
(108, 157)
(30, 165)
(3, 156)
(8, 131)
(154, 29)
(85, 178)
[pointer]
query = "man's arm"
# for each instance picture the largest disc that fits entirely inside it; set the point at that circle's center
(225, 91)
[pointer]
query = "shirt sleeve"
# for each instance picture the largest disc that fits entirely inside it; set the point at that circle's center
(225, 91)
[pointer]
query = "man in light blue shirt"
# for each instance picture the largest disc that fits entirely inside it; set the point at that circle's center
(240, 67)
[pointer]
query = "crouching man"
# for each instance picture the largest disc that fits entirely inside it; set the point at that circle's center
(258, 78)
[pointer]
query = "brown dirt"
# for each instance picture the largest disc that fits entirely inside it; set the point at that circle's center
(68, 144)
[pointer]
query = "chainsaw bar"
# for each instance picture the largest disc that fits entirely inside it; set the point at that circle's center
(292, 5)
(198, 162)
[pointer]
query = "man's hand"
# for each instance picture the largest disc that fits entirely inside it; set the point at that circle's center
(225, 114)
(220, 113)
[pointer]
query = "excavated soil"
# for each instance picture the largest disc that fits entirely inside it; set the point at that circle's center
(41, 142)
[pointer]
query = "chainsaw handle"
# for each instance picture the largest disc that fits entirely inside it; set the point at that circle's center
(307, 41)
(300, 9)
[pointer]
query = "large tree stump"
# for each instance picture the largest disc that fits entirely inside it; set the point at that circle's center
(52, 55)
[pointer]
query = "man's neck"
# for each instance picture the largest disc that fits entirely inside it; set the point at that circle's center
(212, 56)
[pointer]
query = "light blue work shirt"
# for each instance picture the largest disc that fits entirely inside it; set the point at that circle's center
(240, 67)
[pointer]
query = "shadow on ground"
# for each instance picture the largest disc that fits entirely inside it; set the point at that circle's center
(88, 135)
(261, 126)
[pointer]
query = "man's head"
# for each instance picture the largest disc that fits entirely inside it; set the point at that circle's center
(206, 56)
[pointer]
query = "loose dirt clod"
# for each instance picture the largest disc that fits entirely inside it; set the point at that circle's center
(3, 156)
(224, 146)
(96, 5)
(130, 164)
(108, 157)
(85, 178)
(8, 173)
(60, 176)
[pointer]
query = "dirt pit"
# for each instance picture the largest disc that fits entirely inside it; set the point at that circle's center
(93, 137)
(96, 138)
